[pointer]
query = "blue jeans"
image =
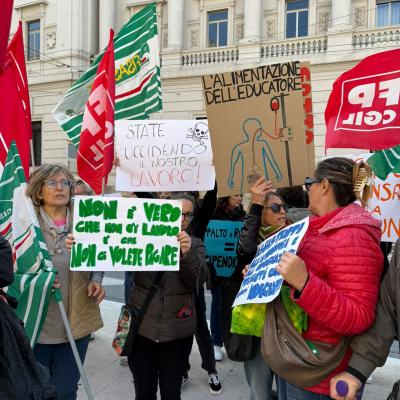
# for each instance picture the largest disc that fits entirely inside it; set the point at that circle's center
(259, 377)
(288, 391)
(129, 285)
(215, 318)
(60, 361)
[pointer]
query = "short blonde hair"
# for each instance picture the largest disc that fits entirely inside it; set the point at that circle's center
(42, 173)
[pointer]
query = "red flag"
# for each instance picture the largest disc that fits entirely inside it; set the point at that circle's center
(363, 109)
(5, 23)
(96, 146)
(15, 121)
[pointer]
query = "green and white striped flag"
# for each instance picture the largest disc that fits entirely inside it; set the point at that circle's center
(33, 268)
(137, 76)
(384, 162)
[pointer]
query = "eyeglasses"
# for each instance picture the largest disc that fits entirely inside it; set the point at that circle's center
(309, 181)
(53, 184)
(276, 208)
(188, 216)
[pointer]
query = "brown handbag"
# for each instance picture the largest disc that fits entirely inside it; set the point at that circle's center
(289, 355)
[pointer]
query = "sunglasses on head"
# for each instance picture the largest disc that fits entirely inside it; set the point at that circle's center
(276, 208)
(309, 181)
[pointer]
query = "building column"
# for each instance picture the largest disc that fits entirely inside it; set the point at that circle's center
(341, 15)
(252, 20)
(175, 24)
(106, 21)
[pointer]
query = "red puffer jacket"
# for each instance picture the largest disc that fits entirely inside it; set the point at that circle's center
(342, 254)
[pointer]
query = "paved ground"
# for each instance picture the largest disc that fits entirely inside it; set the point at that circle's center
(110, 381)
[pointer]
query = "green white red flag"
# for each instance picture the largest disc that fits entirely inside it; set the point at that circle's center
(33, 269)
(385, 162)
(137, 76)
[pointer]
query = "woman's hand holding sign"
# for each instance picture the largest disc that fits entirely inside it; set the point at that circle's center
(293, 270)
(259, 191)
(185, 241)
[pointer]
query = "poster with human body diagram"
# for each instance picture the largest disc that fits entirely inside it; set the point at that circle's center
(260, 123)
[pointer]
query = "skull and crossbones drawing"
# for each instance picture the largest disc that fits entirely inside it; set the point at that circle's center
(198, 132)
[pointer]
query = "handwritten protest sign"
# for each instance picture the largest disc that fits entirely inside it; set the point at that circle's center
(262, 282)
(221, 241)
(168, 155)
(384, 204)
(125, 234)
(269, 131)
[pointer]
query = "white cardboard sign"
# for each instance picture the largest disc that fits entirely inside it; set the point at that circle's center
(263, 283)
(125, 234)
(164, 155)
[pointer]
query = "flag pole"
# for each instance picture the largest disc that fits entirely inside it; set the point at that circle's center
(32, 154)
(103, 185)
(57, 295)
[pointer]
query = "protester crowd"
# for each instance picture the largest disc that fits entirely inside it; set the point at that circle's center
(332, 321)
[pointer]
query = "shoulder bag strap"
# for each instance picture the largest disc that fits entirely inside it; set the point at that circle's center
(135, 322)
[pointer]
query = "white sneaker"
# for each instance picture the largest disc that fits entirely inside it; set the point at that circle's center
(218, 353)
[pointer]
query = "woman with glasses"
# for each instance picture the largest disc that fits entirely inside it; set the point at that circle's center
(267, 215)
(51, 187)
(334, 278)
(164, 340)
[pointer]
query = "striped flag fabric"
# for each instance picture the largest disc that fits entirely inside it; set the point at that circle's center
(385, 162)
(33, 269)
(137, 76)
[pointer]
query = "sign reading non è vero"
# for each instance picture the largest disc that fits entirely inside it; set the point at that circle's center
(125, 234)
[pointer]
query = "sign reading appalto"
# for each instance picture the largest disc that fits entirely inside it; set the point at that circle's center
(257, 119)
(221, 240)
(172, 155)
(263, 283)
(125, 234)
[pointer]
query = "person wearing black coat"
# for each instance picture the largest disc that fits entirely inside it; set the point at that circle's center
(228, 208)
(21, 377)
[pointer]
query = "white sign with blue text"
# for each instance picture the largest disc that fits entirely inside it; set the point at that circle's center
(263, 283)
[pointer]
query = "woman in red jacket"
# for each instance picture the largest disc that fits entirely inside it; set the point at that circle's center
(335, 276)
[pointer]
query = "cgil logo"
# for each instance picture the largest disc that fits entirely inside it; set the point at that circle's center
(370, 103)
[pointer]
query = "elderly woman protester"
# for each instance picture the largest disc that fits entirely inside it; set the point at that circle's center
(267, 215)
(51, 188)
(335, 275)
(162, 345)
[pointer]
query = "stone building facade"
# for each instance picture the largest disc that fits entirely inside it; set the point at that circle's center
(198, 37)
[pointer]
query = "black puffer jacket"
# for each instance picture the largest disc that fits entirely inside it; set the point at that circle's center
(21, 377)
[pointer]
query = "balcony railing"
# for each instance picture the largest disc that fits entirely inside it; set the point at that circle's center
(298, 46)
(209, 57)
(376, 38)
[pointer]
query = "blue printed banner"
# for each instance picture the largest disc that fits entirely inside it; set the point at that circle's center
(263, 283)
(221, 242)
